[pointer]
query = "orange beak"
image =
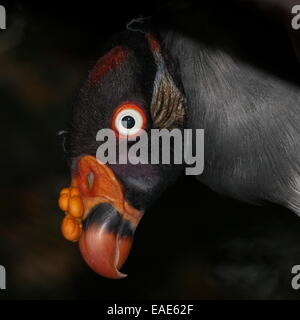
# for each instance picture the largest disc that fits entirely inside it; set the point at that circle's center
(98, 215)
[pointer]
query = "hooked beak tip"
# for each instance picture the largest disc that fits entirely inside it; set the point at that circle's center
(104, 251)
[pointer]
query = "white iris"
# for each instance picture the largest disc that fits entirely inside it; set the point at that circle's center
(138, 122)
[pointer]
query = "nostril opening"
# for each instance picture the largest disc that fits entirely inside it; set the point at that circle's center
(90, 180)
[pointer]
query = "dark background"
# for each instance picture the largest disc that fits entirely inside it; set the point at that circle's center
(193, 244)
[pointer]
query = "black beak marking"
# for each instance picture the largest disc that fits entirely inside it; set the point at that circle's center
(106, 214)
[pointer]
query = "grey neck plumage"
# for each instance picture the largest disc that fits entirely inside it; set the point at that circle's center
(251, 119)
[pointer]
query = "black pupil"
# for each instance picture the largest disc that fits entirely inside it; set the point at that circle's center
(128, 122)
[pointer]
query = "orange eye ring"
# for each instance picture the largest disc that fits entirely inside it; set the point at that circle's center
(132, 112)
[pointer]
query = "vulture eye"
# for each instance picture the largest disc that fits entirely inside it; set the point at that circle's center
(128, 120)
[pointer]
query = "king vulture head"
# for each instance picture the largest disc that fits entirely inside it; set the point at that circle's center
(250, 115)
(135, 82)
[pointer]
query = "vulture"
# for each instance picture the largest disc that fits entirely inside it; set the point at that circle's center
(240, 87)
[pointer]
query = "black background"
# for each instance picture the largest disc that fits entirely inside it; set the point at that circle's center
(193, 244)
